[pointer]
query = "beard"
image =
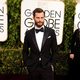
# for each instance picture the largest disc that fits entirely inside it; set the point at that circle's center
(39, 24)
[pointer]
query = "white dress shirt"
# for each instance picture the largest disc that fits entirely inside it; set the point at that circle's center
(39, 37)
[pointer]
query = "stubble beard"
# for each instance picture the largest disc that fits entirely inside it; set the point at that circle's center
(39, 25)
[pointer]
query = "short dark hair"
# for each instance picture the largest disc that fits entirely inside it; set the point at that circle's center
(38, 10)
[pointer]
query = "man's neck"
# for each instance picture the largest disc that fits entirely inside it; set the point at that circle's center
(39, 27)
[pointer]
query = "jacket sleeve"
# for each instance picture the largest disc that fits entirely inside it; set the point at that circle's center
(25, 50)
(73, 43)
(54, 47)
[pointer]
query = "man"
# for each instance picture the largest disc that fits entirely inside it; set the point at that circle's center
(75, 55)
(39, 48)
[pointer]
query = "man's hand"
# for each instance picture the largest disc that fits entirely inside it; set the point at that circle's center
(71, 56)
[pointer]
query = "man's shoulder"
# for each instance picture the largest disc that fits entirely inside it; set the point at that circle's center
(50, 29)
(28, 31)
(76, 31)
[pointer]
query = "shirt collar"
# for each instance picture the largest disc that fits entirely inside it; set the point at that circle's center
(38, 27)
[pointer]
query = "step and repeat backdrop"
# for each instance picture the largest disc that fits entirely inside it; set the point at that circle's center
(54, 17)
(3, 21)
(77, 16)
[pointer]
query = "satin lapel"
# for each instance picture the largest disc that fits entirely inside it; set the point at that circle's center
(34, 38)
(44, 37)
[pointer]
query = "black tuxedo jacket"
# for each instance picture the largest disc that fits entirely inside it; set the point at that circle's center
(75, 44)
(31, 53)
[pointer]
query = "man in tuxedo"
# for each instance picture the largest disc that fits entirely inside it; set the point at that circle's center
(39, 48)
(75, 55)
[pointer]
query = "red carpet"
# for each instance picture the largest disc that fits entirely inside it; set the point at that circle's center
(13, 77)
(24, 77)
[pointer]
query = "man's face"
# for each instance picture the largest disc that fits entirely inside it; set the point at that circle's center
(39, 19)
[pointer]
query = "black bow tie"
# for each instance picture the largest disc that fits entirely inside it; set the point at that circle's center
(37, 30)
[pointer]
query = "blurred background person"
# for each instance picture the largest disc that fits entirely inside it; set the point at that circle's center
(75, 55)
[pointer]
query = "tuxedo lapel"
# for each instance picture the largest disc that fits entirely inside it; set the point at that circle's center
(44, 37)
(34, 38)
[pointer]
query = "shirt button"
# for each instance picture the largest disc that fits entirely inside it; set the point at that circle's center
(39, 59)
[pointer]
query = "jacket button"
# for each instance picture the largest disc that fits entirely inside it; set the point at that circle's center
(39, 58)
